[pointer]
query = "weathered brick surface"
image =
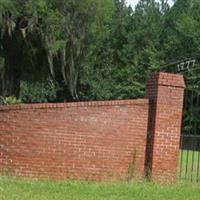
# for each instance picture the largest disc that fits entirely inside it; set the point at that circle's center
(89, 140)
(166, 92)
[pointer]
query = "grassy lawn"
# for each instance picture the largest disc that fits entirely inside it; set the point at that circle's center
(16, 189)
(13, 189)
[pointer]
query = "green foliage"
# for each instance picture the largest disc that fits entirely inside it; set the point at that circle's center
(9, 100)
(92, 49)
(119, 66)
(55, 35)
(38, 92)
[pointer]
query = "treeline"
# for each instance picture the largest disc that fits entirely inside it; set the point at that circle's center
(70, 50)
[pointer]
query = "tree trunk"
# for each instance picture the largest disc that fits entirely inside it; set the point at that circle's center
(64, 94)
(66, 77)
(12, 47)
(10, 81)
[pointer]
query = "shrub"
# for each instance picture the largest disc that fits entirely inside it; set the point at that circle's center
(9, 100)
(38, 92)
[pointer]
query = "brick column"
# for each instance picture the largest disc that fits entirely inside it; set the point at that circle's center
(165, 92)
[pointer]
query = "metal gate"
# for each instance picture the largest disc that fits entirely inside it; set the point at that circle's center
(189, 168)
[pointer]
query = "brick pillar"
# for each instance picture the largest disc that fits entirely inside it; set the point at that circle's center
(165, 92)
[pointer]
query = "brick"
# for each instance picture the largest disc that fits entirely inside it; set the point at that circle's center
(97, 140)
(86, 140)
(165, 92)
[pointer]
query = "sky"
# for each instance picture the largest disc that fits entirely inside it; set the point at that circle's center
(134, 2)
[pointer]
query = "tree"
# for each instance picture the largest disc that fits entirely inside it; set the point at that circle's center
(173, 42)
(138, 48)
(21, 43)
(128, 54)
(55, 35)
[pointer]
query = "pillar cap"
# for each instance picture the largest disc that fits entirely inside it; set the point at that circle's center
(167, 79)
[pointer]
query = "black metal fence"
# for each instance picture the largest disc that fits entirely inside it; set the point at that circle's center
(190, 138)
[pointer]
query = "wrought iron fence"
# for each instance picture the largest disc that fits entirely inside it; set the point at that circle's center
(190, 137)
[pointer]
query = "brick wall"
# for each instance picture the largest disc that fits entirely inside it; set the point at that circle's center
(95, 140)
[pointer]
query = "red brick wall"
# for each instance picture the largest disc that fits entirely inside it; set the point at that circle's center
(94, 140)
(166, 92)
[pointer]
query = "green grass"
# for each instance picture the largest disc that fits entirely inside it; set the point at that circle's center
(14, 189)
(17, 189)
(189, 167)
